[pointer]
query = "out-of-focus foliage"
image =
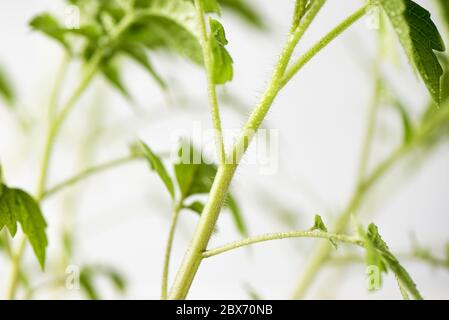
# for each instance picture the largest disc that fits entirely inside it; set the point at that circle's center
(90, 274)
(6, 89)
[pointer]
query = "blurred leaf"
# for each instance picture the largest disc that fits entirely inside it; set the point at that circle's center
(89, 274)
(444, 5)
(391, 262)
(246, 11)
(407, 125)
(319, 225)
(6, 89)
(156, 165)
(139, 55)
(196, 206)
(49, 25)
(18, 206)
(169, 25)
(237, 216)
(112, 74)
(419, 37)
(223, 63)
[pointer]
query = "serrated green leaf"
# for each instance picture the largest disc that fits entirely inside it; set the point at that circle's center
(222, 60)
(18, 206)
(391, 262)
(192, 174)
(6, 89)
(420, 38)
(156, 165)
(49, 25)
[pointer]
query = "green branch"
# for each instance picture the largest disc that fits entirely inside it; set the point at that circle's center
(88, 173)
(316, 234)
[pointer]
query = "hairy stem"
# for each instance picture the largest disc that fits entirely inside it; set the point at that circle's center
(225, 173)
(283, 235)
(209, 66)
(168, 250)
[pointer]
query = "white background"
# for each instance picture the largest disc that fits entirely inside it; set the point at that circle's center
(122, 217)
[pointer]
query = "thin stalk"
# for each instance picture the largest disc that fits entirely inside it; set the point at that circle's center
(168, 250)
(298, 13)
(13, 282)
(283, 235)
(58, 84)
(83, 175)
(225, 173)
(326, 40)
(209, 66)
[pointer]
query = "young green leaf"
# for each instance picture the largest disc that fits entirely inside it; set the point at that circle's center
(6, 89)
(17, 206)
(156, 165)
(391, 262)
(420, 38)
(319, 224)
(222, 60)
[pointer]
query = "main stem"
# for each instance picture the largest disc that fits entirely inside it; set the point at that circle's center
(225, 173)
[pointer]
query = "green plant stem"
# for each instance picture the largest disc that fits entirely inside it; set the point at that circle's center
(327, 39)
(168, 250)
(284, 235)
(55, 125)
(81, 176)
(58, 84)
(15, 270)
(209, 66)
(225, 173)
